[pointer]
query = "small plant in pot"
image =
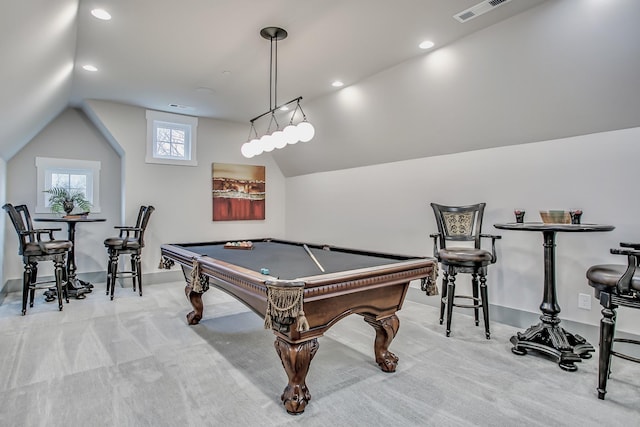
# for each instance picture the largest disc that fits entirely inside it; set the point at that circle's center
(62, 200)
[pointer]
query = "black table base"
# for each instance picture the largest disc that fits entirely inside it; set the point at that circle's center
(549, 338)
(76, 288)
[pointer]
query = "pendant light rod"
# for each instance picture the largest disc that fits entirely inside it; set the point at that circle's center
(273, 34)
(275, 109)
(292, 133)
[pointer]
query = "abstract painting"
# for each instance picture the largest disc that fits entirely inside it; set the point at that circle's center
(238, 192)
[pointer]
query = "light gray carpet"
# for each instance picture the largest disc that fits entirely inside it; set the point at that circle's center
(134, 362)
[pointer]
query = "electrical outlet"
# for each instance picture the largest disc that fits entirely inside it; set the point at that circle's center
(584, 301)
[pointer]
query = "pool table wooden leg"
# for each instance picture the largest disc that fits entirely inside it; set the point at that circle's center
(296, 359)
(195, 299)
(386, 330)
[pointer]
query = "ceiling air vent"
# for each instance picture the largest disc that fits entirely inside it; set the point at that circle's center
(479, 9)
(180, 106)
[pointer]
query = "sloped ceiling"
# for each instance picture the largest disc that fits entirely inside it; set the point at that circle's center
(529, 70)
(564, 68)
(206, 56)
(37, 47)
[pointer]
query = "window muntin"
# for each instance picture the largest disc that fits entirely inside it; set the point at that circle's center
(171, 138)
(172, 141)
(72, 174)
(73, 181)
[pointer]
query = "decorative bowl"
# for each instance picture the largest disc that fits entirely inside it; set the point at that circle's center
(555, 217)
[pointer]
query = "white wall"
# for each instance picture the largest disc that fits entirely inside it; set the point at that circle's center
(3, 200)
(69, 136)
(182, 194)
(386, 207)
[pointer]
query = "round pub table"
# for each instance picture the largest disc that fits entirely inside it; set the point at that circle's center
(548, 337)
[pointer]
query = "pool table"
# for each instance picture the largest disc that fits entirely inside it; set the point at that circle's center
(370, 284)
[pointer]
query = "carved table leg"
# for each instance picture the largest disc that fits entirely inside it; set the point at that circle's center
(386, 330)
(296, 359)
(195, 299)
(197, 284)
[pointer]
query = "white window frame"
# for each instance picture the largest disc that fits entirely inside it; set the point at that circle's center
(157, 119)
(46, 166)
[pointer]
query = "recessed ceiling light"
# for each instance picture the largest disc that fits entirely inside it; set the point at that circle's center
(89, 67)
(204, 89)
(427, 44)
(337, 83)
(101, 14)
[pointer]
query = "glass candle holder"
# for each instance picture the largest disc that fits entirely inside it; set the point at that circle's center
(575, 216)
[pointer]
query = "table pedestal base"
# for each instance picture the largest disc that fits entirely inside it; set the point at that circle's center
(550, 339)
(76, 288)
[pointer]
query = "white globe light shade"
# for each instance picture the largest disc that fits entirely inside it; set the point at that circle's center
(267, 143)
(257, 146)
(279, 140)
(291, 134)
(247, 150)
(306, 131)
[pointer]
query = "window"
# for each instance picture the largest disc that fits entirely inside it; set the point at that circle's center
(171, 139)
(74, 175)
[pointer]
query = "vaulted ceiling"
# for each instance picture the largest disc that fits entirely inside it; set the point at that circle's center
(525, 71)
(206, 57)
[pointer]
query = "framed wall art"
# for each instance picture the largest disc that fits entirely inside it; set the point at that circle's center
(238, 192)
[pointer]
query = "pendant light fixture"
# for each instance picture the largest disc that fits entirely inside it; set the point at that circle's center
(274, 137)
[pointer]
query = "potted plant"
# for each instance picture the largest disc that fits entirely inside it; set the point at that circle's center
(61, 199)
